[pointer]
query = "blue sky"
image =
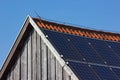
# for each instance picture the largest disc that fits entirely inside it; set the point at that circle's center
(94, 14)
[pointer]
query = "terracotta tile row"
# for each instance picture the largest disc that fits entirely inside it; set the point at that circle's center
(78, 31)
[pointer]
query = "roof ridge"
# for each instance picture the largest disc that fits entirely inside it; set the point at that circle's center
(77, 30)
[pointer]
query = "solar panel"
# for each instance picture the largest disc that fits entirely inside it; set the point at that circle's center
(90, 59)
(105, 52)
(105, 73)
(117, 71)
(83, 71)
(62, 45)
(85, 49)
(115, 46)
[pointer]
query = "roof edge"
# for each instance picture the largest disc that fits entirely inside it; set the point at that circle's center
(70, 29)
(76, 27)
(14, 46)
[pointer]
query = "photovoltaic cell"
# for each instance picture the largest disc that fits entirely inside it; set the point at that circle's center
(106, 53)
(115, 46)
(83, 71)
(105, 73)
(92, 50)
(117, 72)
(62, 45)
(75, 48)
(85, 49)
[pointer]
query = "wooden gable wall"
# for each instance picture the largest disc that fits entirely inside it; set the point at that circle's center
(37, 62)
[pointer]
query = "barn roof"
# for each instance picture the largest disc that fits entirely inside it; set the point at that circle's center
(90, 54)
(77, 30)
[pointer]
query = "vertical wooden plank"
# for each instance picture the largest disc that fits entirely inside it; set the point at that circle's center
(65, 75)
(24, 63)
(38, 58)
(49, 65)
(53, 67)
(34, 55)
(58, 71)
(29, 59)
(12, 74)
(17, 69)
(72, 79)
(44, 61)
(8, 76)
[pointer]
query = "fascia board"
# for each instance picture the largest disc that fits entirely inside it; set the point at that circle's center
(12, 50)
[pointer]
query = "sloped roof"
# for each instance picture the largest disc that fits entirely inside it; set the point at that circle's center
(92, 55)
(27, 27)
(77, 30)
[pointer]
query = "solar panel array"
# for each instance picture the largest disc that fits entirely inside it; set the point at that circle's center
(90, 59)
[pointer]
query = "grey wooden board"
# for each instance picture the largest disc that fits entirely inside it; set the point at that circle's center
(34, 55)
(8, 76)
(49, 65)
(44, 61)
(17, 69)
(53, 67)
(29, 58)
(65, 75)
(38, 58)
(24, 63)
(58, 71)
(11, 74)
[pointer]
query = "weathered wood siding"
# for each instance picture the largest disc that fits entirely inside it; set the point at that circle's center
(36, 62)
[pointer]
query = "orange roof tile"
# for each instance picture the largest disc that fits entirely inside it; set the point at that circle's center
(77, 31)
